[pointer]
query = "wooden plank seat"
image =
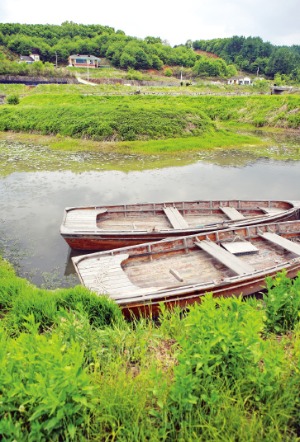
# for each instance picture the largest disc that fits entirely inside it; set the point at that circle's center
(231, 261)
(232, 213)
(271, 210)
(176, 219)
(282, 242)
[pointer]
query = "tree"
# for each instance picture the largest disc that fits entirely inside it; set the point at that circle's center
(182, 56)
(127, 61)
(210, 67)
(156, 62)
(152, 40)
(282, 61)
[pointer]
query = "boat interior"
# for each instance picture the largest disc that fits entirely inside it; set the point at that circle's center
(191, 260)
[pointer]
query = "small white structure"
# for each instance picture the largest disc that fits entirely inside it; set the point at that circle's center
(29, 59)
(245, 81)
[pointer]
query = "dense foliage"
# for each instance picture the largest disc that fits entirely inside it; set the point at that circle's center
(57, 43)
(254, 55)
(54, 42)
(36, 69)
(71, 368)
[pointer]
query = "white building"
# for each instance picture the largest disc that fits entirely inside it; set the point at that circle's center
(245, 81)
(29, 59)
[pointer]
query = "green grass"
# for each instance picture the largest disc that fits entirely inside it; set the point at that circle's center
(108, 73)
(129, 118)
(149, 118)
(71, 368)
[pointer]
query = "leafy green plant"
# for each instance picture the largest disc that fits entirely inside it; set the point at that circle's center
(218, 346)
(72, 369)
(45, 392)
(282, 303)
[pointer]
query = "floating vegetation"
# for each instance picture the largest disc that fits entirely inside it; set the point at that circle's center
(20, 153)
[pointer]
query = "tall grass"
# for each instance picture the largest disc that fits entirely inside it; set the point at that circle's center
(71, 368)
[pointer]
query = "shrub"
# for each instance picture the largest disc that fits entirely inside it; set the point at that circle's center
(101, 310)
(282, 303)
(40, 304)
(46, 394)
(168, 72)
(13, 99)
(10, 289)
(218, 348)
(134, 75)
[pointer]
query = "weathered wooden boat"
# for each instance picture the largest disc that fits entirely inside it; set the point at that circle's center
(180, 271)
(104, 228)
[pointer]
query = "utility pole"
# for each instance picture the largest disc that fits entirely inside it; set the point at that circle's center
(56, 59)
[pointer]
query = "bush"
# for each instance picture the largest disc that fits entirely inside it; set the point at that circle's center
(218, 348)
(45, 306)
(134, 75)
(13, 99)
(41, 304)
(47, 396)
(282, 303)
(168, 72)
(100, 310)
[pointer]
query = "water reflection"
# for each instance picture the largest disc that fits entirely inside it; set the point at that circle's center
(32, 203)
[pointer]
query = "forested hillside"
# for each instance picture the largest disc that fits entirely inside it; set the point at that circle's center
(121, 50)
(254, 55)
(57, 42)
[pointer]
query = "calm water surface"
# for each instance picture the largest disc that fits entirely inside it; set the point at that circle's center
(32, 203)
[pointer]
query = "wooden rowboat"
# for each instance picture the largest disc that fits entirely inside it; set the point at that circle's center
(104, 228)
(179, 271)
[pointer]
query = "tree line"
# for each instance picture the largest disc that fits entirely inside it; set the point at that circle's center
(254, 55)
(57, 42)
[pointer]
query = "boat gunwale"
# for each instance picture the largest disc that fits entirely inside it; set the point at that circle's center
(227, 223)
(67, 232)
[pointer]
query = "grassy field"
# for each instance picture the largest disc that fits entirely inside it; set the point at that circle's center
(72, 368)
(115, 118)
(201, 88)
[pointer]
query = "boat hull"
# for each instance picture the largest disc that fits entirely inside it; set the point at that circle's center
(90, 229)
(245, 288)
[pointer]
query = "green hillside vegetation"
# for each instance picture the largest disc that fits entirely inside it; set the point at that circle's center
(145, 117)
(253, 55)
(72, 368)
(54, 42)
(122, 51)
(9, 65)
